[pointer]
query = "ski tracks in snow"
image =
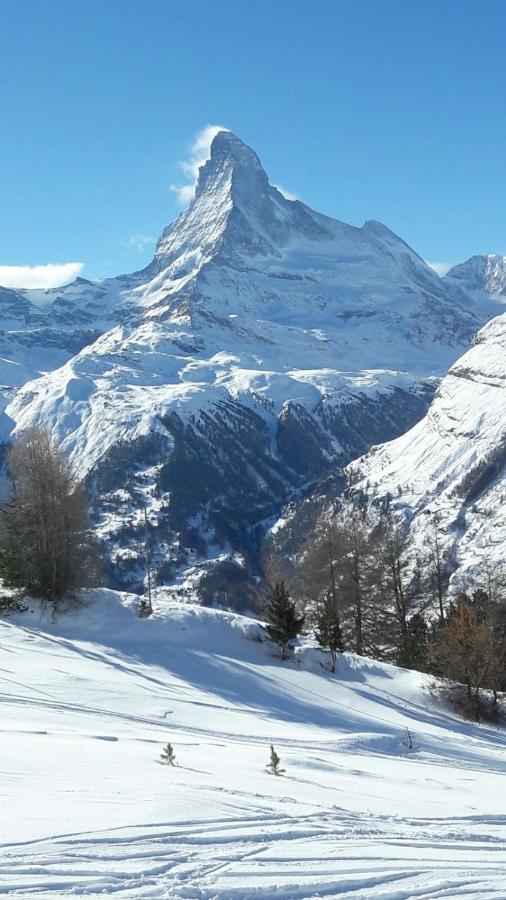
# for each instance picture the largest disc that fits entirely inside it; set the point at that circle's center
(268, 857)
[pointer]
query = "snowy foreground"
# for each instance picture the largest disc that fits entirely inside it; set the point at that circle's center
(88, 809)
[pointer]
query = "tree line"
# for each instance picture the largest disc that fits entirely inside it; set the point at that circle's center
(358, 586)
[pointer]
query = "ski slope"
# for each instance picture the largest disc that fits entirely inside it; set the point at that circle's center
(87, 703)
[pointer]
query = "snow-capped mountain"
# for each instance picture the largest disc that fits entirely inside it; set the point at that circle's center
(263, 345)
(481, 273)
(452, 465)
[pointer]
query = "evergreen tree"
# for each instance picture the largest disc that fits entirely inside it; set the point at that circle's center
(413, 651)
(328, 628)
(168, 756)
(273, 766)
(283, 622)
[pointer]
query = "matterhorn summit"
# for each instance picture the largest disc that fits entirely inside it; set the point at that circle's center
(264, 345)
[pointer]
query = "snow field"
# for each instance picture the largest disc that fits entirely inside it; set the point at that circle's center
(89, 701)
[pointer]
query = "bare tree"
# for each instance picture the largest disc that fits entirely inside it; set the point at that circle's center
(336, 561)
(436, 563)
(45, 544)
(355, 537)
(392, 564)
(495, 579)
(146, 603)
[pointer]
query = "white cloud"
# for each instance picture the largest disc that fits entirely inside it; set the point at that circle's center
(45, 276)
(199, 153)
(441, 268)
(288, 195)
(139, 241)
(184, 192)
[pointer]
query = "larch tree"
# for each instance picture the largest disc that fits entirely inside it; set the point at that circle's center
(45, 544)
(395, 589)
(463, 653)
(354, 570)
(437, 565)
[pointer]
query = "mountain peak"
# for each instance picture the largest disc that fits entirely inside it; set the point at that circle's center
(226, 145)
(484, 272)
(231, 162)
(234, 210)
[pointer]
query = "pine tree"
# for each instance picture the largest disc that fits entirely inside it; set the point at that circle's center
(413, 651)
(283, 622)
(145, 609)
(328, 628)
(273, 766)
(168, 756)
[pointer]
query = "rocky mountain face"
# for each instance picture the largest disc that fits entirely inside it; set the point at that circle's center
(450, 468)
(263, 346)
(481, 273)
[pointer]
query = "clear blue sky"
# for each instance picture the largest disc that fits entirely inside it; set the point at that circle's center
(384, 109)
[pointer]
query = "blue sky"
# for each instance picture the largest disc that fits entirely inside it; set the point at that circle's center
(384, 109)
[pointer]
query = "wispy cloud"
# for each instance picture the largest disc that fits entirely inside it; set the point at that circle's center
(199, 152)
(45, 276)
(441, 268)
(139, 242)
(288, 195)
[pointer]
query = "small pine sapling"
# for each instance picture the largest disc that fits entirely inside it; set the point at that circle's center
(145, 609)
(168, 756)
(408, 740)
(273, 766)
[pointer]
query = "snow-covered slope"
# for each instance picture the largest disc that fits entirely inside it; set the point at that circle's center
(452, 464)
(88, 702)
(42, 329)
(264, 345)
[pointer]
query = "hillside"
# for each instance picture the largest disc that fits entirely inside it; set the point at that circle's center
(452, 464)
(87, 703)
